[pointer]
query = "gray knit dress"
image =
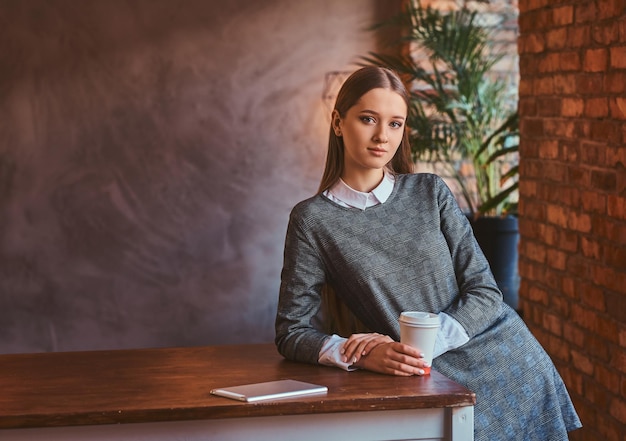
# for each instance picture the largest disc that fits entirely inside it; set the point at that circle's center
(416, 251)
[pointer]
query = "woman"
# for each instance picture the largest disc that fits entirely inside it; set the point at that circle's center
(386, 241)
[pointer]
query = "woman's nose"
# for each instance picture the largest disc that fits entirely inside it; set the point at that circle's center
(381, 136)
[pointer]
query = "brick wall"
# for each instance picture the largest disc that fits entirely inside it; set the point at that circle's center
(573, 199)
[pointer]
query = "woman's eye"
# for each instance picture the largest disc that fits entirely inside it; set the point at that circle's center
(368, 119)
(396, 124)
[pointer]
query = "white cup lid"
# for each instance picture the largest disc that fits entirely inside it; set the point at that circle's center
(420, 318)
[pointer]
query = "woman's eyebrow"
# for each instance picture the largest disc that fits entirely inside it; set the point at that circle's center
(373, 112)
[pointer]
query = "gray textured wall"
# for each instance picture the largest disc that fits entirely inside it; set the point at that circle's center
(150, 152)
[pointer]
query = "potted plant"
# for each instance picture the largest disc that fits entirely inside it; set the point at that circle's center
(461, 114)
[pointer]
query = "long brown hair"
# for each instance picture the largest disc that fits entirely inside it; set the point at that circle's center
(357, 85)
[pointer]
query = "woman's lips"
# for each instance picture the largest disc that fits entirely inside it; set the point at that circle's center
(377, 151)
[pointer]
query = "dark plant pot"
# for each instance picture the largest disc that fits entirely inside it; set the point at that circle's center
(498, 237)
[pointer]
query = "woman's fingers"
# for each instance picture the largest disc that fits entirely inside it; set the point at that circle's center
(394, 359)
(359, 345)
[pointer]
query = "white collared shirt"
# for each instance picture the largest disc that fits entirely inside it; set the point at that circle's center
(451, 334)
(344, 195)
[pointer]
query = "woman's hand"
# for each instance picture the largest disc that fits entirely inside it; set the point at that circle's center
(359, 345)
(394, 359)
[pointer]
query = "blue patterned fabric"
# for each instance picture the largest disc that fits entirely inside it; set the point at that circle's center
(417, 252)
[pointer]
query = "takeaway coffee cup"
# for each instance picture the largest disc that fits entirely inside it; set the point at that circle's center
(419, 329)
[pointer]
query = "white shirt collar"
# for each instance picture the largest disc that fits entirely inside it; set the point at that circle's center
(345, 195)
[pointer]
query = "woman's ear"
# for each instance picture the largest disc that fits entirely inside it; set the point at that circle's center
(336, 120)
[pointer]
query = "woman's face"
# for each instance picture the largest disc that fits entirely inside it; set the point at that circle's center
(372, 130)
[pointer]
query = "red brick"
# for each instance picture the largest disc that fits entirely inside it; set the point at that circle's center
(610, 9)
(592, 296)
(554, 39)
(560, 128)
(538, 295)
(595, 60)
(593, 153)
(553, 324)
(608, 429)
(590, 248)
(604, 130)
(593, 202)
(527, 106)
(556, 259)
(622, 29)
(570, 197)
(564, 84)
(586, 318)
(549, 106)
(583, 128)
(580, 222)
(605, 33)
(614, 82)
(618, 57)
(573, 380)
(578, 36)
(610, 278)
(616, 207)
(559, 304)
(573, 107)
(525, 88)
(532, 270)
(582, 363)
(531, 169)
(607, 378)
(604, 180)
(589, 84)
(608, 331)
(527, 22)
(528, 65)
(568, 240)
(615, 305)
(568, 287)
(619, 361)
(549, 149)
(585, 12)
(596, 107)
(569, 61)
(532, 126)
(616, 156)
(549, 234)
(618, 409)
(536, 252)
(578, 265)
(548, 63)
(557, 215)
(618, 107)
(552, 280)
(563, 16)
(610, 229)
(574, 335)
(598, 395)
(614, 256)
(580, 176)
(569, 150)
(532, 43)
(543, 86)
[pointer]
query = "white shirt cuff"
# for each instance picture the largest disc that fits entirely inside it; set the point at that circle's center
(451, 335)
(330, 354)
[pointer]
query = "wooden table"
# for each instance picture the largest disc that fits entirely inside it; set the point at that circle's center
(165, 394)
